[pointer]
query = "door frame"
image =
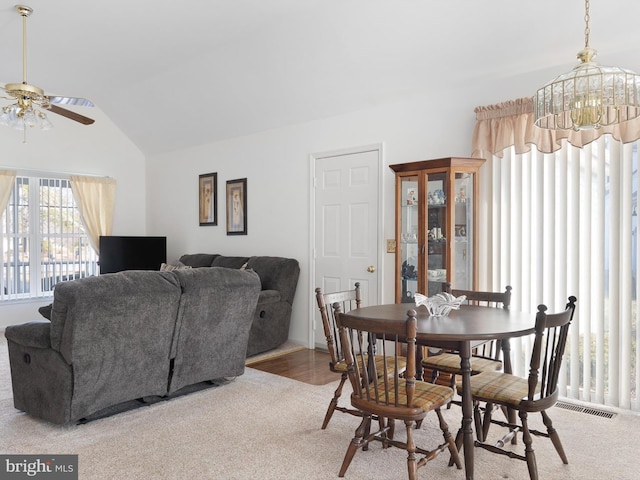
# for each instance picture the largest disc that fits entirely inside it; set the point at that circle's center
(313, 159)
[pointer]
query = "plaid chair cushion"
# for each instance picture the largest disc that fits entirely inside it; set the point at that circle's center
(341, 367)
(450, 363)
(427, 395)
(498, 387)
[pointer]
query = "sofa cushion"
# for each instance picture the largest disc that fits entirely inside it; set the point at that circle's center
(197, 260)
(229, 262)
(109, 300)
(216, 311)
(116, 331)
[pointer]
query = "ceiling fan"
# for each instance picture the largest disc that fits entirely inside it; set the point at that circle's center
(30, 101)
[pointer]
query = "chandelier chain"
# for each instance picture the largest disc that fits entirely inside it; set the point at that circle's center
(24, 48)
(587, 31)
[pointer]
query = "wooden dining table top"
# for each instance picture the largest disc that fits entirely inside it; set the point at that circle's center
(470, 322)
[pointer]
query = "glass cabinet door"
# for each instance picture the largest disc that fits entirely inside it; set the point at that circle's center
(436, 234)
(463, 230)
(409, 241)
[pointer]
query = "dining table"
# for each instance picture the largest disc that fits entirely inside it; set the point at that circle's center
(458, 331)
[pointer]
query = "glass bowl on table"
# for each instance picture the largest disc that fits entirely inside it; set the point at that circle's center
(439, 305)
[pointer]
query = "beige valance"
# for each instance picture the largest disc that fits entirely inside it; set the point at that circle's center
(511, 124)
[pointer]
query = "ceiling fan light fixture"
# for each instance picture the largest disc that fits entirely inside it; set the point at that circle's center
(31, 101)
(588, 97)
(24, 113)
(44, 122)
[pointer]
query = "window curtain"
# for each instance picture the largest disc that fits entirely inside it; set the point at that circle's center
(95, 198)
(510, 124)
(558, 218)
(7, 180)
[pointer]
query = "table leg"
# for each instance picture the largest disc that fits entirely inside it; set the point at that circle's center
(419, 357)
(506, 355)
(371, 354)
(467, 409)
(506, 361)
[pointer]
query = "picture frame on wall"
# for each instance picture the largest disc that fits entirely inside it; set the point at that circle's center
(237, 207)
(208, 199)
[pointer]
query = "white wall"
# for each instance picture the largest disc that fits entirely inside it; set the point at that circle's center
(98, 149)
(276, 164)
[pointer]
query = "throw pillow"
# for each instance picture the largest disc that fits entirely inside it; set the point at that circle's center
(165, 267)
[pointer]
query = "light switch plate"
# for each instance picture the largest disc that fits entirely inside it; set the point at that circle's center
(391, 246)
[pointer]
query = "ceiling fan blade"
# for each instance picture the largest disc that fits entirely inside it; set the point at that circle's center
(71, 115)
(81, 102)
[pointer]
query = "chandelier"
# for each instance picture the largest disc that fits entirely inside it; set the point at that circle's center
(30, 101)
(590, 96)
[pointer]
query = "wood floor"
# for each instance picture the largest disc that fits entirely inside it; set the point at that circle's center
(308, 366)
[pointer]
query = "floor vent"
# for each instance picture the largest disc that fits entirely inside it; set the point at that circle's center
(589, 410)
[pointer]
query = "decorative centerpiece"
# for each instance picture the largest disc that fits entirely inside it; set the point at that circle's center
(440, 304)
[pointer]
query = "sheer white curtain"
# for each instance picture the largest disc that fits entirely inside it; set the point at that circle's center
(560, 224)
(95, 198)
(7, 179)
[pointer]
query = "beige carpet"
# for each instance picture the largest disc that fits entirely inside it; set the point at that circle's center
(263, 426)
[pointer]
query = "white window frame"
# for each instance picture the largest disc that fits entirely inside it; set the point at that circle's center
(43, 273)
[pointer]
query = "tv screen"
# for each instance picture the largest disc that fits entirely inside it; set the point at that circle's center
(131, 253)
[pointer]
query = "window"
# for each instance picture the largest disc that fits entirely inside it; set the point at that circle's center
(43, 239)
(566, 224)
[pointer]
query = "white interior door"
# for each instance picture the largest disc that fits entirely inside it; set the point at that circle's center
(347, 246)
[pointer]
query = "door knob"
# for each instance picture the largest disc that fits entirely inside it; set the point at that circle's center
(371, 269)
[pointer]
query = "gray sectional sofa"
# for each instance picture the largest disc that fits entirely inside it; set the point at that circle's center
(279, 279)
(131, 335)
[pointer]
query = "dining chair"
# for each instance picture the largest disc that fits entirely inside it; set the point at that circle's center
(387, 397)
(537, 393)
(347, 300)
(485, 357)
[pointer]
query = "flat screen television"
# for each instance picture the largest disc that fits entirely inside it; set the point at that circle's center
(131, 253)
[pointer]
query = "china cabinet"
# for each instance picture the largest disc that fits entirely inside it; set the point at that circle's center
(436, 226)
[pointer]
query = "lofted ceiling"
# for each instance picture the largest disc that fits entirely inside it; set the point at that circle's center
(173, 74)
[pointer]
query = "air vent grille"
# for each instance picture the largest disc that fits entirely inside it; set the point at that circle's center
(588, 410)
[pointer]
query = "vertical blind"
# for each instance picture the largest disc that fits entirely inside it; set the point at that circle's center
(565, 223)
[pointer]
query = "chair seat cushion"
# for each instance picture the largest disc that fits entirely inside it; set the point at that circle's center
(498, 387)
(341, 367)
(427, 396)
(450, 363)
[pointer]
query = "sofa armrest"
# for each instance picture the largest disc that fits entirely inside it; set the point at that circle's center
(277, 273)
(36, 334)
(268, 296)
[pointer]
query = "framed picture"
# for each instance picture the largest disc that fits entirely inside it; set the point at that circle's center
(208, 199)
(237, 207)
